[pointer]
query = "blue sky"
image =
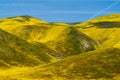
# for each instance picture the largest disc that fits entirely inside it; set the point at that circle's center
(59, 10)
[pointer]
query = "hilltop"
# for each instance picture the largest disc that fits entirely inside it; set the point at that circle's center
(108, 21)
(61, 37)
(101, 64)
(105, 30)
(68, 40)
(33, 49)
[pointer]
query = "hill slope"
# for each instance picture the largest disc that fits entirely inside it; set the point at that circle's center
(67, 40)
(16, 51)
(108, 21)
(102, 64)
(21, 25)
(62, 38)
(104, 30)
(99, 64)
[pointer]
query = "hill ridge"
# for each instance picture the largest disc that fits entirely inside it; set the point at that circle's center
(18, 51)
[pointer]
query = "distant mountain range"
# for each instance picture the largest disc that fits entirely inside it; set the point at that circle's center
(33, 49)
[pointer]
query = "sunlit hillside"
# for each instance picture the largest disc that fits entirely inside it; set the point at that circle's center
(104, 30)
(17, 52)
(60, 37)
(108, 21)
(102, 64)
(33, 49)
(19, 25)
(68, 41)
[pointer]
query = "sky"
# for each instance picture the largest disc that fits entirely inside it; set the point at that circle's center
(59, 10)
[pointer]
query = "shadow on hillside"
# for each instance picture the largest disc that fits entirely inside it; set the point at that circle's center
(107, 24)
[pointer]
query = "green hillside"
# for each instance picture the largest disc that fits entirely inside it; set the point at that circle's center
(17, 52)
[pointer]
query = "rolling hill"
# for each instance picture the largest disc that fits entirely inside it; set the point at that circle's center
(101, 64)
(105, 30)
(108, 21)
(33, 49)
(17, 52)
(61, 37)
(22, 25)
(68, 41)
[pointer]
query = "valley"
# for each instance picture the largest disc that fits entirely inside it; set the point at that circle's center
(33, 49)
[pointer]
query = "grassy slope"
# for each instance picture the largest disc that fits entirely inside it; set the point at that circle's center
(22, 25)
(108, 21)
(58, 36)
(16, 51)
(102, 64)
(67, 40)
(103, 29)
